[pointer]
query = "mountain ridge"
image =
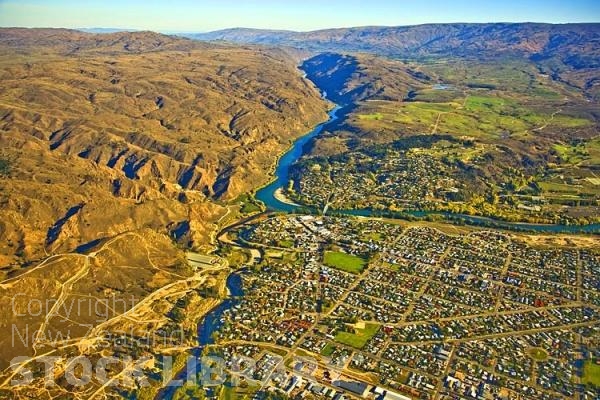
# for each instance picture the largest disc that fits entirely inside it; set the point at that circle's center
(569, 53)
(441, 40)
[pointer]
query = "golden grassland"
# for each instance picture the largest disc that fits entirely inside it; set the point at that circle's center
(88, 121)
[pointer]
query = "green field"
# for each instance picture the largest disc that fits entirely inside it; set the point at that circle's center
(485, 103)
(248, 204)
(359, 339)
(374, 236)
(286, 244)
(538, 354)
(250, 208)
(562, 188)
(591, 373)
(514, 75)
(375, 116)
(571, 154)
(585, 188)
(345, 262)
(437, 96)
(328, 350)
(481, 116)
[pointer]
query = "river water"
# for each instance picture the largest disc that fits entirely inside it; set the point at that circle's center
(282, 172)
(210, 324)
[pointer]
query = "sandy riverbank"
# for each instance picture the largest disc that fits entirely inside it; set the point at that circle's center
(279, 195)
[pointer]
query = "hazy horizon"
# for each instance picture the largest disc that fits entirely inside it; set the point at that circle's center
(309, 15)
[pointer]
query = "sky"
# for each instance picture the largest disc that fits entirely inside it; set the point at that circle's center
(207, 15)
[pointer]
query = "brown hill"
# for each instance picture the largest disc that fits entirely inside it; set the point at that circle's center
(67, 41)
(102, 134)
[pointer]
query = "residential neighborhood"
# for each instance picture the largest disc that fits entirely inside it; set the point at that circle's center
(362, 308)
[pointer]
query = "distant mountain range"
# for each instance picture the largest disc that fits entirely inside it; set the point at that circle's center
(106, 30)
(577, 45)
(69, 42)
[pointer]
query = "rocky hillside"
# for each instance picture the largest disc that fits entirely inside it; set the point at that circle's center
(102, 134)
(349, 79)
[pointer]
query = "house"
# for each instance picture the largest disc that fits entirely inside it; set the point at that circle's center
(358, 388)
(295, 381)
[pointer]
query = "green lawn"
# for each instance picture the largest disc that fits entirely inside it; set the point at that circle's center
(345, 262)
(591, 373)
(359, 339)
(286, 243)
(538, 354)
(328, 350)
(250, 208)
(248, 204)
(374, 236)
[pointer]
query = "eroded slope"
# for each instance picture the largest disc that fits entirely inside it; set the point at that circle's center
(108, 133)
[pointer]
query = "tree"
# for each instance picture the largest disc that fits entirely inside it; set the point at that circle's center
(177, 315)
(5, 165)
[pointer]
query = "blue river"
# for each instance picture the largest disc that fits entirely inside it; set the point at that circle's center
(210, 324)
(282, 172)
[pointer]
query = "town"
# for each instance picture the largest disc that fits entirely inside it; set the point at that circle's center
(393, 179)
(362, 308)
(428, 173)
